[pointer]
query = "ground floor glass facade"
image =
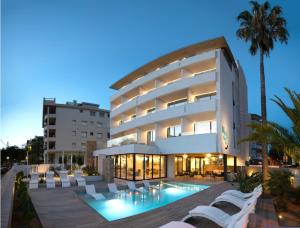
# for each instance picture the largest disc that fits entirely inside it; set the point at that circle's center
(140, 166)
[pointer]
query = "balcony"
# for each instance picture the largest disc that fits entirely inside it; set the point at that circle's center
(181, 84)
(201, 143)
(202, 106)
(164, 70)
(124, 140)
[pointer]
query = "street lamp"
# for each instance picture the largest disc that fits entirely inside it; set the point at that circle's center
(27, 158)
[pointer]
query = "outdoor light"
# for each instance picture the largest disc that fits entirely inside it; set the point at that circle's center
(280, 216)
(208, 155)
(185, 156)
(220, 156)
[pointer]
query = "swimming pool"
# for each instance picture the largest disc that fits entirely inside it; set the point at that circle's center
(128, 203)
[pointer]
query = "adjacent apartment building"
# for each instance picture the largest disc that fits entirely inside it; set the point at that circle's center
(180, 114)
(73, 130)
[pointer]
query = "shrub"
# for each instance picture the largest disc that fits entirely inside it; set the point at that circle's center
(280, 182)
(90, 171)
(248, 183)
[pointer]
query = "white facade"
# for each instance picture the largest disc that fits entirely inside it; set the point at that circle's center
(195, 105)
(70, 128)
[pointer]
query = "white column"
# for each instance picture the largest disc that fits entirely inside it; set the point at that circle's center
(171, 166)
(190, 96)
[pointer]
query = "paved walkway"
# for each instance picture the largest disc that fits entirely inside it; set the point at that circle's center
(63, 208)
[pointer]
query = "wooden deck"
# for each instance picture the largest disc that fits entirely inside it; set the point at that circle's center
(63, 208)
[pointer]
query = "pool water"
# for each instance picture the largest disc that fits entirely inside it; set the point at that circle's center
(128, 203)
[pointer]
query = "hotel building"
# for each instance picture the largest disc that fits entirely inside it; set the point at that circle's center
(180, 114)
(73, 130)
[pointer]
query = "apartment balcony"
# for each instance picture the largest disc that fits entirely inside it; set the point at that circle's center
(164, 70)
(47, 127)
(49, 116)
(201, 143)
(47, 139)
(181, 84)
(203, 106)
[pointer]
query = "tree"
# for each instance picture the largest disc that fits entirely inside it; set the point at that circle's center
(12, 154)
(281, 138)
(262, 27)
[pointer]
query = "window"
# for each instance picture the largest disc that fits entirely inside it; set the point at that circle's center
(81, 111)
(121, 122)
(174, 131)
(92, 122)
(205, 127)
(108, 115)
(92, 113)
(177, 103)
(99, 124)
(83, 145)
(73, 122)
(83, 123)
(133, 116)
(73, 144)
(83, 134)
(73, 133)
(99, 135)
(108, 135)
(207, 96)
(150, 136)
(101, 114)
(151, 110)
(91, 133)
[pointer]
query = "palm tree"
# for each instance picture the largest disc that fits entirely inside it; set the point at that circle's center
(262, 27)
(278, 136)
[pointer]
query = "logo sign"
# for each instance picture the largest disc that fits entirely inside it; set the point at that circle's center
(225, 137)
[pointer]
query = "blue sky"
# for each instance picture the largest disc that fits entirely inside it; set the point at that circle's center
(75, 49)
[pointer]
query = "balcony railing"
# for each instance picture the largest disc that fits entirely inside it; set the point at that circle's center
(124, 140)
(199, 74)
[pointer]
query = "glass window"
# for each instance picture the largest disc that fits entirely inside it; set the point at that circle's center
(174, 131)
(73, 133)
(74, 122)
(91, 133)
(83, 145)
(163, 166)
(202, 127)
(123, 166)
(151, 110)
(99, 124)
(83, 123)
(73, 144)
(81, 111)
(83, 134)
(139, 167)
(148, 166)
(207, 96)
(92, 113)
(130, 166)
(99, 135)
(156, 166)
(213, 126)
(177, 103)
(150, 136)
(101, 114)
(92, 122)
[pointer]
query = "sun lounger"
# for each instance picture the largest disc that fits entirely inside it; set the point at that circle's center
(90, 190)
(241, 194)
(132, 187)
(220, 217)
(177, 224)
(147, 184)
(65, 182)
(79, 179)
(50, 183)
(34, 181)
(113, 188)
(239, 202)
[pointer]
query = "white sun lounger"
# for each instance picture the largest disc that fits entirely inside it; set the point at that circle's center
(220, 217)
(132, 187)
(147, 184)
(90, 190)
(113, 188)
(65, 182)
(50, 183)
(79, 179)
(177, 224)
(34, 181)
(239, 202)
(241, 194)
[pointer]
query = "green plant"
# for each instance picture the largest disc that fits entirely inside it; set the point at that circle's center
(279, 182)
(90, 171)
(248, 183)
(79, 160)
